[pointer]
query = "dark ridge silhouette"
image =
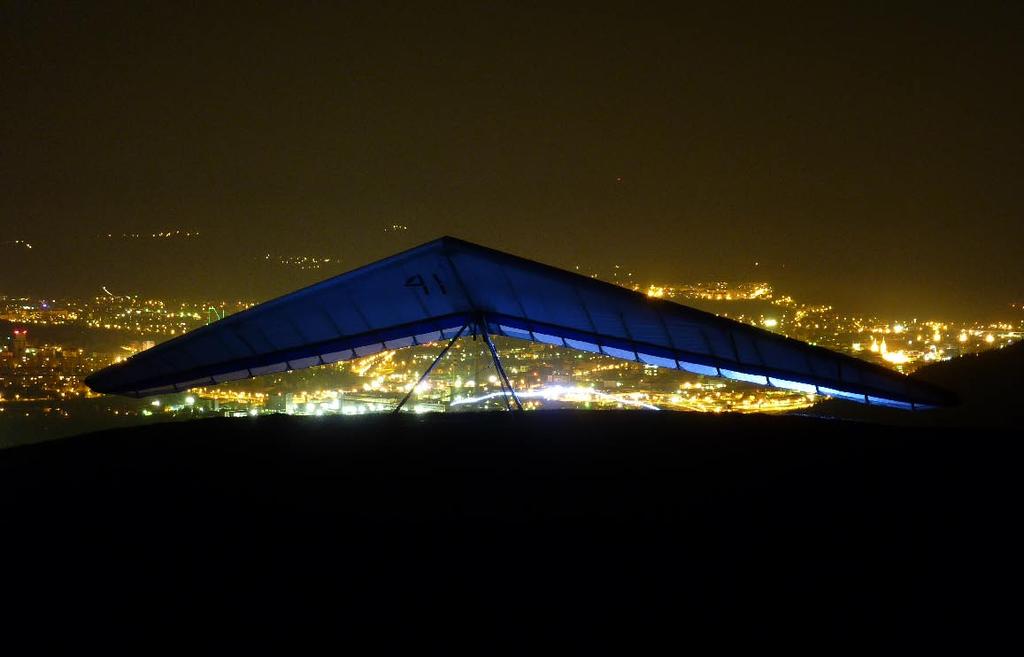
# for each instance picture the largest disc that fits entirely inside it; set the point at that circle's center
(999, 370)
(989, 387)
(609, 531)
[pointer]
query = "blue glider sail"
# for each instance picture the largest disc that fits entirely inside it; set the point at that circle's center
(430, 292)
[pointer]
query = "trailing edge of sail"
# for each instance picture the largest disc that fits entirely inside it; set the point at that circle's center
(429, 292)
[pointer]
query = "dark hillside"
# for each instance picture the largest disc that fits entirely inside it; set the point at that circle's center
(989, 386)
(606, 530)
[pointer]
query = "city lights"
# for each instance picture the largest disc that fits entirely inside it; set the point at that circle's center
(33, 371)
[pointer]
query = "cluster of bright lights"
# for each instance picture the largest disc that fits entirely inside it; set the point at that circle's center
(161, 234)
(300, 261)
(880, 348)
(560, 393)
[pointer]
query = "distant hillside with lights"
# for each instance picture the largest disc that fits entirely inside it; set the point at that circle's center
(989, 386)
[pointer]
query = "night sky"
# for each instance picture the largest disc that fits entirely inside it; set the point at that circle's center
(865, 155)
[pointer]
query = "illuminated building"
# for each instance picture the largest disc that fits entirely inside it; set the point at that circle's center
(19, 341)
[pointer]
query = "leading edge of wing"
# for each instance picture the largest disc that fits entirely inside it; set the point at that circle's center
(118, 379)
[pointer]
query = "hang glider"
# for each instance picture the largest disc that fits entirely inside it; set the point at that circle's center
(433, 291)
